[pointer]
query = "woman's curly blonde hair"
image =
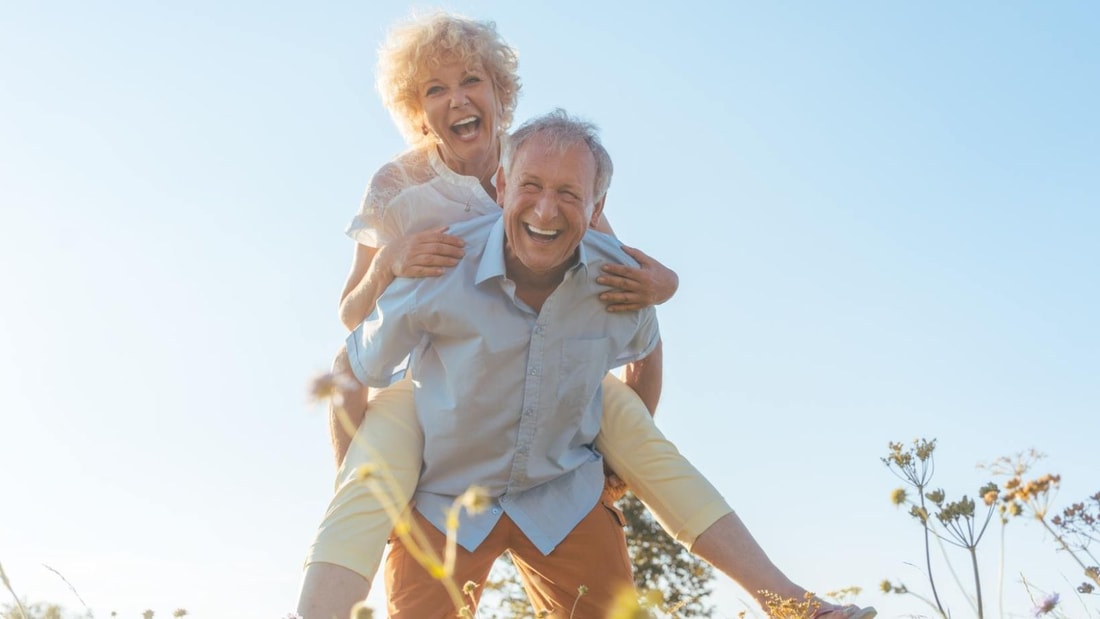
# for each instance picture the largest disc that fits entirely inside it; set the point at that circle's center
(415, 47)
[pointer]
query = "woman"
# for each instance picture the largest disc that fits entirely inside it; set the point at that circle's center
(451, 86)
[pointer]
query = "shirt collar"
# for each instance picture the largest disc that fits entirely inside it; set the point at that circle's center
(492, 259)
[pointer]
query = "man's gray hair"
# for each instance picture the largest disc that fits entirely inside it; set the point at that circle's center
(562, 131)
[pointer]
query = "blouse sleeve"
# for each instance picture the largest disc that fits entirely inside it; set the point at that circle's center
(374, 225)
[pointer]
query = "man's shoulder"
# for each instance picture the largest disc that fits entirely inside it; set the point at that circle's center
(474, 230)
(602, 247)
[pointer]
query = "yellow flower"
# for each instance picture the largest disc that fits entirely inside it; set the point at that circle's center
(626, 606)
(436, 570)
(898, 496)
(360, 611)
(330, 386)
(365, 471)
(401, 527)
(475, 500)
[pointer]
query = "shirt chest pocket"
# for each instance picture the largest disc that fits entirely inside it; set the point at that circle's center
(583, 365)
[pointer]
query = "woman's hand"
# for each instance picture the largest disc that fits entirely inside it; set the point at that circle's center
(635, 288)
(424, 254)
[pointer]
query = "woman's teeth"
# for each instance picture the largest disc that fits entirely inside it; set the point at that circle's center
(466, 126)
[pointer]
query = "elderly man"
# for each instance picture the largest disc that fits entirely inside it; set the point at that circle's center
(516, 344)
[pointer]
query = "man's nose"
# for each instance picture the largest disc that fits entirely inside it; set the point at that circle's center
(546, 208)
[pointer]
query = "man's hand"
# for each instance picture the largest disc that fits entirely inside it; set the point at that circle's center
(636, 288)
(424, 254)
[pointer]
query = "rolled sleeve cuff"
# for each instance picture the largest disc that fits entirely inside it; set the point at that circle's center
(360, 362)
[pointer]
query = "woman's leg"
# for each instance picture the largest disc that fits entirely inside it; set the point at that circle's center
(349, 543)
(685, 504)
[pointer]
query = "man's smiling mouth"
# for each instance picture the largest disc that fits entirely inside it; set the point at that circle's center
(541, 234)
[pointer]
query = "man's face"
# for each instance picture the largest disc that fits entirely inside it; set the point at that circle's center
(548, 203)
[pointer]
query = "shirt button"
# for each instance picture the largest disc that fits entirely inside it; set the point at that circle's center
(503, 499)
(496, 510)
(539, 330)
(534, 372)
(528, 411)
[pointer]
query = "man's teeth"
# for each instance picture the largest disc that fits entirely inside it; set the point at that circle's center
(541, 231)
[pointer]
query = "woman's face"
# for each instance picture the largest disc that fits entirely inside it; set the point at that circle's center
(461, 110)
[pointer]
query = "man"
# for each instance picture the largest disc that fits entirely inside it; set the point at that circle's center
(508, 383)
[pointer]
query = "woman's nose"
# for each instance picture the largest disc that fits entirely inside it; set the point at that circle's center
(458, 99)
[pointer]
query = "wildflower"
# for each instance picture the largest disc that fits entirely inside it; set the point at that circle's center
(1085, 588)
(330, 386)
(365, 471)
(402, 527)
(436, 569)
(886, 586)
(475, 499)
(469, 587)
(626, 606)
(989, 493)
(919, 513)
(936, 496)
(360, 611)
(1047, 604)
(898, 496)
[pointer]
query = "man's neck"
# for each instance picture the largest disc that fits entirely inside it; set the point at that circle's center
(531, 287)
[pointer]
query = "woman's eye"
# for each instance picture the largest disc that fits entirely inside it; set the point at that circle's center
(434, 90)
(473, 79)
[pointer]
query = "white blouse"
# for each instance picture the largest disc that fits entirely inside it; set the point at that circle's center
(416, 192)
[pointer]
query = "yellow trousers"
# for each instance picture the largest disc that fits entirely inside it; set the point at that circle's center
(357, 524)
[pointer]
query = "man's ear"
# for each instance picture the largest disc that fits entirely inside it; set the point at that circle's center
(597, 211)
(500, 186)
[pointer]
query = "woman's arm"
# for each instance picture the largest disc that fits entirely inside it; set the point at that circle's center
(425, 254)
(645, 377)
(634, 288)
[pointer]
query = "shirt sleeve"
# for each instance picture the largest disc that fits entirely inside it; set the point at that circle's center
(646, 337)
(387, 336)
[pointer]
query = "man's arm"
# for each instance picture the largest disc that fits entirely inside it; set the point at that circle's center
(368, 358)
(644, 377)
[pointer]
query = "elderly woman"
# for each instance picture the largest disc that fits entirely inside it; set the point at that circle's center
(451, 86)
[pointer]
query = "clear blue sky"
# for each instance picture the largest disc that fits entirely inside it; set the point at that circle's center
(884, 216)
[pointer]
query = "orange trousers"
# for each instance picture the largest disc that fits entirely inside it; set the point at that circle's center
(593, 555)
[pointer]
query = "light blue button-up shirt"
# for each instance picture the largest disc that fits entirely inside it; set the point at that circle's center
(508, 398)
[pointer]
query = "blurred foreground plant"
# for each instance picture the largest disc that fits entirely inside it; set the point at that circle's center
(332, 388)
